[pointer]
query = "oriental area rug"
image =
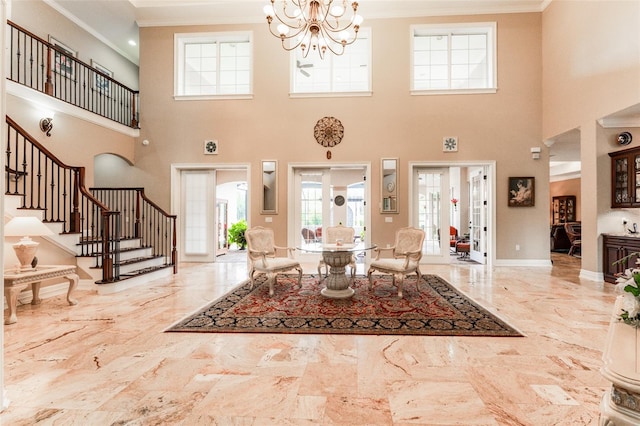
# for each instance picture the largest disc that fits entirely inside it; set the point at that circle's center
(432, 308)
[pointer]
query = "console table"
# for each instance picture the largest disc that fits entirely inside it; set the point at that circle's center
(15, 282)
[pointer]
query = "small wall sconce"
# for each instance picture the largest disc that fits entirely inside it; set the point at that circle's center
(535, 153)
(46, 125)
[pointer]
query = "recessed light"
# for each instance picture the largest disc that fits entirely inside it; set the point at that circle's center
(132, 43)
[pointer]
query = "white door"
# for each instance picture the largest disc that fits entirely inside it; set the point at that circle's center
(431, 212)
(478, 204)
(197, 211)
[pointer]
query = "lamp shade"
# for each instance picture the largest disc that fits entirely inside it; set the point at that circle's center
(21, 226)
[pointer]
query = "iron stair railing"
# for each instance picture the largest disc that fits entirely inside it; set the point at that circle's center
(50, 69)
(46, 184)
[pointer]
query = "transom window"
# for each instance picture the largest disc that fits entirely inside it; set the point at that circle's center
(455, 57)
(349, 73)
(213, 65)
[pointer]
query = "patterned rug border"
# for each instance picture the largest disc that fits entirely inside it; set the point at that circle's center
(339, 325)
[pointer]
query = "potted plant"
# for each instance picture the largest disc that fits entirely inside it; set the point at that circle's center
(236, 234)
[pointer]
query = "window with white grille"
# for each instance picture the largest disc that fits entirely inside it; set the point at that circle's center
(210, 65)
(453, 58)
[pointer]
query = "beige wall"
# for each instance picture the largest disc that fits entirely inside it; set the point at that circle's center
(74, 141)
(591, 69)
(565, 187)
(391, 123)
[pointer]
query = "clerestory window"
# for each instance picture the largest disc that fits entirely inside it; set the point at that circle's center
(346, 75)
(213, 65)
(453, 58)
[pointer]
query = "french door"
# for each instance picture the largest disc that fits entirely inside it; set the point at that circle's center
(431, 212)
(322, 197)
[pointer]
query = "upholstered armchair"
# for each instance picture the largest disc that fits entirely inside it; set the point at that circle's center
(333, 234)
(574, 232)
(261, 251)
(406, 254)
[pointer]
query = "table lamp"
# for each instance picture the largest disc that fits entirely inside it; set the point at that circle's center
(25, 226)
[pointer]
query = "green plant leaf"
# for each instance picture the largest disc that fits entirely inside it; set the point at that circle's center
(633, 290)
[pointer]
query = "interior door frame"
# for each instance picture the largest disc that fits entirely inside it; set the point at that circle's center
(176, 192)
(291, 199)
(490, 167)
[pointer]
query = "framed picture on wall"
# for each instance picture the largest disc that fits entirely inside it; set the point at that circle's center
(63, 63)
(100, 82)
(522, 192)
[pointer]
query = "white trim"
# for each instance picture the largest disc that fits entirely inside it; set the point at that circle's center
(176, 188)
(491, 196)
(291, 168)
(179, 42)
(47, 102)
(489, 28)
(331, 94)
(211, 97)
(591, 275)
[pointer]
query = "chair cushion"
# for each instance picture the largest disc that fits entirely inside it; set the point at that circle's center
(275, 263)
(395, 265)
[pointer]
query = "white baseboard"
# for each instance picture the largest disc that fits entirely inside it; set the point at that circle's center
(522, 262)
(591, 275)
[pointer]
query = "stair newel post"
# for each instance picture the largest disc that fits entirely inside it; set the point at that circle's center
(138, 223)
(74, 215)
(48, 85)
(174, 250)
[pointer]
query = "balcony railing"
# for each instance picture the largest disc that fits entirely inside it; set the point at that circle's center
(55, 71)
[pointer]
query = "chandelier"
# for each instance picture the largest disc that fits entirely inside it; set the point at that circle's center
(314, 24)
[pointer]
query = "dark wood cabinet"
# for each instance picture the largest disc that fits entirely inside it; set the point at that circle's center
(616, 247)
(625, 178)
(564, 209)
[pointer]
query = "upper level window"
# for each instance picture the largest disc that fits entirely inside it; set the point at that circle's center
(454, 58)
(210, 65)
(349, 73)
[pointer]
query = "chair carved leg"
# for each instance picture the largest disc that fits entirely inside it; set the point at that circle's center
(272, 279)
(299, 269)
(251, 272)
(399, 280)
(369, 273)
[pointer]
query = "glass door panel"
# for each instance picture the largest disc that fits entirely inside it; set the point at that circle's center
(433, 213)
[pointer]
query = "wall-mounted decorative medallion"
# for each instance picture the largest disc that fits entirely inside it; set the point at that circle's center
(328, 131)
(450, 144)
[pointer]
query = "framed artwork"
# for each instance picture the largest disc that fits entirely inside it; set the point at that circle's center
(522, 192)
(100, 82)
(62, 59)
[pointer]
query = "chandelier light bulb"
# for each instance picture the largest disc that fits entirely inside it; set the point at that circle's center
(344, 36)
(268, 10)
(283, 30)
(357, 20)
(337, 11)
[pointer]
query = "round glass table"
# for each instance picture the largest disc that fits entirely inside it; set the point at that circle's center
(337, 257)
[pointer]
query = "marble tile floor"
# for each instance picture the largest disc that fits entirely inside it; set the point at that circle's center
(107, 360)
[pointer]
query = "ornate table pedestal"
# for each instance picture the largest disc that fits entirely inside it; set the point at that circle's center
(337, 283)
(15, 282)
(620, 405)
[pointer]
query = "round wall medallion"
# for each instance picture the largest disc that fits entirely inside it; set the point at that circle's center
(328, 131)
(339, 200)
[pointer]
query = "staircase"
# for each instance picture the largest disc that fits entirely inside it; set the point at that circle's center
(118, 236)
